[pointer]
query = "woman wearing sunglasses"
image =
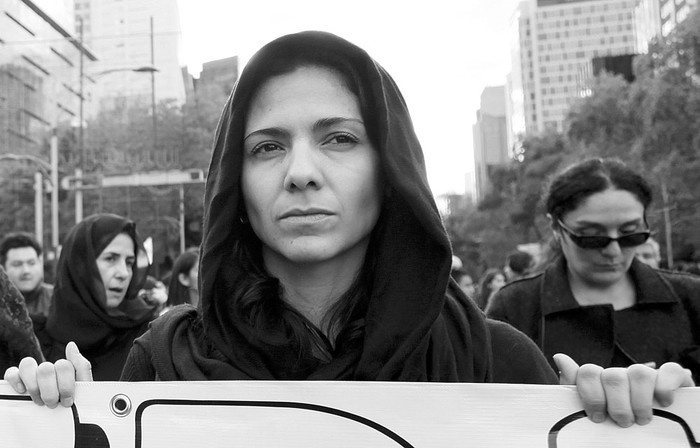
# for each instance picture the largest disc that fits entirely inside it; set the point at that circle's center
(596, 302)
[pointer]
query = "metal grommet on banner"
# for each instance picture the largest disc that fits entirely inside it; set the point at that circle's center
(120, 405)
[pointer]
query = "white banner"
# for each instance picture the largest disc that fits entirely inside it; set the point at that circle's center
(218, 414)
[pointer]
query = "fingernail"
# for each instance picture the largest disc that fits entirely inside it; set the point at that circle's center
(598, 417)
(67, 402)
(665, 403)
(643, 420)
(625, 423)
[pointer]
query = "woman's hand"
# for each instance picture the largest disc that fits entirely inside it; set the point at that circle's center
(624, 394)
(49, 383)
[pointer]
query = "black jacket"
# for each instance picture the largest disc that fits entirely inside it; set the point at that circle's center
(663, 326)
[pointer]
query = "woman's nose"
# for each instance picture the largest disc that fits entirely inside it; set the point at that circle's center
(122, 270)
(303, 168)
(612, 249)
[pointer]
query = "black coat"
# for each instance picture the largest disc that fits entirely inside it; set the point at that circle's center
(663, 325)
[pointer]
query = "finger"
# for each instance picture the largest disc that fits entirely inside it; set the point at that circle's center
(65, 379)
(617, 394)
(641, 382)
(83, 368)
(46, 380)
(568, 369)
(12, 377)
(27, 375)
(590, 388)
(670, 377)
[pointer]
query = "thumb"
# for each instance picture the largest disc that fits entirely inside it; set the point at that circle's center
(568, 369)
(83, 368)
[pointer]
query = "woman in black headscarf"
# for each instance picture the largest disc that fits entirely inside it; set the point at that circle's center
(95, 302)
(324, 255)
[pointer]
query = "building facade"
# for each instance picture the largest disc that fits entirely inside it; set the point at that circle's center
(39, 97)
(490, 138)
(657, 18)
(554, 37)
(39, 77)
(674, 12)
(130, 35)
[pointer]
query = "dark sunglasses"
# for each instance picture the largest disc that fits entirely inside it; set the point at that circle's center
(599, 242)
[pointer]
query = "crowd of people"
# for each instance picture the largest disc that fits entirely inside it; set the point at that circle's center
(324, 257)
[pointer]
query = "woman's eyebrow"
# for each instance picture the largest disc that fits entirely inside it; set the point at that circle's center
(602, 226)
(271, 132)
(324, 123)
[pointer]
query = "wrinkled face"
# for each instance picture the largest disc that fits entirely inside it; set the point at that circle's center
(610, 213)
(24, 268)
(311, 181)
(116, 266)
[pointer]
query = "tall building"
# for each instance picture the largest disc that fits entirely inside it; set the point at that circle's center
(674, 12)
(220, 74)
(130, 35)
(647, 23)
(39, 96)
(657, 18)
(489, 134)
(550, 40)
(39, 58)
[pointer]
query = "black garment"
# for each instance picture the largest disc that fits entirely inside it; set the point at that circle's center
(663, 326)
(39, 301)
(79, 312)
(412, 329)
(17, 339)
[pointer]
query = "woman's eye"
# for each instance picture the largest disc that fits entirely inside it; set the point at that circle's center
(342, 139)
(266, 147)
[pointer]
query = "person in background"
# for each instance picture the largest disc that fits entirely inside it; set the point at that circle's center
(649, 252)
(21, 256)
(465, 282)
(154, 293)
(324, 256)
(100, 272)
(596, 302)
(491, 281)
(184, 280)
(518, 265)
(17, 339)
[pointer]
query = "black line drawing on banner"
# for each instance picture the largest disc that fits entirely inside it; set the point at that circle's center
(558, 426)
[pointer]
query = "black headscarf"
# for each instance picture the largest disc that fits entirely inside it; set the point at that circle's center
(412, 330)
(79, 310)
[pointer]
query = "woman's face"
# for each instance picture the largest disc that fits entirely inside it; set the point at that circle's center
(311, 177)
(610, 213)
(497, 282)
(467, 284)
(116, 266)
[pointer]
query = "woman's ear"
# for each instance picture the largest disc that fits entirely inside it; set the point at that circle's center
(184, 279)
(554, 227)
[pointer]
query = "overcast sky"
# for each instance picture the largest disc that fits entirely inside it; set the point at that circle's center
(442, 53)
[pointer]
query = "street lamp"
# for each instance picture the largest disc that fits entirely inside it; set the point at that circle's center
(81, 133)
